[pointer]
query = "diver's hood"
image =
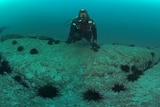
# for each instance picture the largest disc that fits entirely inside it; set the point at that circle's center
(83, 11)
(83, 18)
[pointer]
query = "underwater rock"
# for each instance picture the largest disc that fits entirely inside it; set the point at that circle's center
(11, 36)
(50, 41)
(41, 37)
(78, 73)
(57, 41)
(16, 36)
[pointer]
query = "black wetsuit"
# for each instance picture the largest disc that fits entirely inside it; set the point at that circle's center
(82, 29)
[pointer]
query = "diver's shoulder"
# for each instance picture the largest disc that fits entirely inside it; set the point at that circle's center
(91, 20)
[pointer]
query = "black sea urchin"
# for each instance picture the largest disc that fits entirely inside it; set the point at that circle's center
(33, 51)
(118, 88)
(48, 91)
(14, 42)
(132, 77)
(20, 48)
(125, 68)
(92, 95)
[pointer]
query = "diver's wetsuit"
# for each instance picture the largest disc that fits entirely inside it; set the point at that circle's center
(82, 28)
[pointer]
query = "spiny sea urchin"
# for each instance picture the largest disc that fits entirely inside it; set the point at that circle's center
(33, 51)
(48, 91)
(118, 87)
(132, 77)
(20, 48)
(92, 95)
(125, 68)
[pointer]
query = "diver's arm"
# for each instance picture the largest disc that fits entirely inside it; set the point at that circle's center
(94, 33)
(72, 32)
(95, 46)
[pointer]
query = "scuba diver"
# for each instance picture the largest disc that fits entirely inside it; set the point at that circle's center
(83, 27)
(2, 29)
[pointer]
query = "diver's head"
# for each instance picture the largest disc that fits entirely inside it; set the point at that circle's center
(83, 15)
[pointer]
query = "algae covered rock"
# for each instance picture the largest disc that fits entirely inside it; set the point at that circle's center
(76, 72)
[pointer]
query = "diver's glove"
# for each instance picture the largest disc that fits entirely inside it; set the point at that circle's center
(95, 47)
